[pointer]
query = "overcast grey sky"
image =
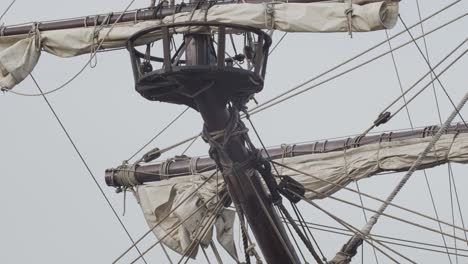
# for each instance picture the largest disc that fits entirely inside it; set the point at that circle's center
(51, 210)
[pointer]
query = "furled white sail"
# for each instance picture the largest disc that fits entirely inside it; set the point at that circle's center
(19, 54)
(329, 170)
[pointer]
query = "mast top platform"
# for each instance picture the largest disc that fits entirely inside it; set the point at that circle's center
(173, 79)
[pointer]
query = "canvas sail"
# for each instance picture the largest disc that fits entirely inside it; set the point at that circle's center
(340, 167)
(19, 54)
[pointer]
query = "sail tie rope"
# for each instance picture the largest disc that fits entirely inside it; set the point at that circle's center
(351, 246)
(270, 15)
(193, 165)
(126, 175)
(447, 157)
(2, 29)
(349, 15)
(37, 35)
(95, 38)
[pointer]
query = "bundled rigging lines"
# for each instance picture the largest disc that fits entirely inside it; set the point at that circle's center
(273, 102)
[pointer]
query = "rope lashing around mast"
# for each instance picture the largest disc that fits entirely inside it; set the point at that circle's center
(236, 127)
(349, 250)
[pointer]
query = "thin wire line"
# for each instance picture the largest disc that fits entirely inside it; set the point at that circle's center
(397, 72)
(354, 230)
(292, 235)
(270, 218)
(356, 241)
(458, 202)
(7, 9)
(204, 229)
(314, 225)
(364, 194)
(432, 70)
(365, 219)
(170, 232)
(350, 59)
(167, 254)
(436, 211)
(422, 89)
(345, 232)
(252, 112)
(440, 120)
(270, 103)
(85, 163)
(453, 211)
(190, 145)
(310, 233)
(159, 133)
(93, 55)
(411, 121)
(277, 44)
(164, 218)
(387, 215)
(206, 256)
(428, 58)
(428, 84)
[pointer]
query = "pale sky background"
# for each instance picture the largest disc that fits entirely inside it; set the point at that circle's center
(51, 210)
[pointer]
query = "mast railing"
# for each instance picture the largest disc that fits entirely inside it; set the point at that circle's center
(169, 78)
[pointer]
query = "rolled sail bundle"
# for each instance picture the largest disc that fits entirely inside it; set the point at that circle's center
(19, 54)
(322, 174)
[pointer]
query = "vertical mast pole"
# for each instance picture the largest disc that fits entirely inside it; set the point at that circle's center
(243, 183)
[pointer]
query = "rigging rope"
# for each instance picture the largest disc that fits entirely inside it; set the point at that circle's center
(368, 196)
(356, 232)
(164, 218)
(278, 202)
(6, 10)
(411, 122)
(459, 206)
(159, 133)
(427, 55)
(453, 214)
(418, 82)
(274, 102)
(172, 230)
(85, 163)
(389, 216)
(353, 58)
(204, 229)
(288, 223)
(277, 44)
(356, 241)
(345, 232)
(365, 221)
(92, 56)
(432, 69)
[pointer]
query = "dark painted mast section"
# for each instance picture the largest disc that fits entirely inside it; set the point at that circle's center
(242, 180)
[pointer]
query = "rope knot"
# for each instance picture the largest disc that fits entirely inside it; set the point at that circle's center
(2, 29)
(349, 15)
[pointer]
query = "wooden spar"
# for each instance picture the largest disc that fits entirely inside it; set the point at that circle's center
(135, 15)
(182, 166)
